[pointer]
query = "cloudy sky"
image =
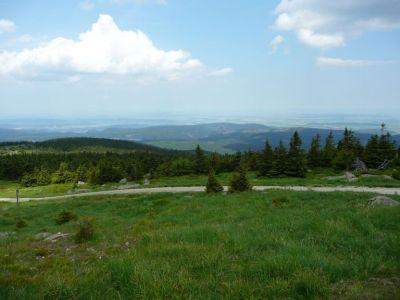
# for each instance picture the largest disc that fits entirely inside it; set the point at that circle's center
(143, 57)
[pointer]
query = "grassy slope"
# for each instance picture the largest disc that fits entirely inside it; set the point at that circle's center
(190, 246)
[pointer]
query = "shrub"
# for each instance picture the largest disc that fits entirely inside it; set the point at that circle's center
(85, 231)
(396, 174)
(21, 223)
(239, 182)
(213, 185)
(278, 201)
(64, 217)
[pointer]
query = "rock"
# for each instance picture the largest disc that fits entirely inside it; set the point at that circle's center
(81, 191)
(348, 176)
(81, 183)
(41, 235)
(387, 177)
(377, 176)
(146, 181)
(124, 180)
(56, 236)
(6, 234)
(382, 200)
(128, 186)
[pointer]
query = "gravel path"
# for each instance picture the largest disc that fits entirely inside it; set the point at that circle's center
(192, 189)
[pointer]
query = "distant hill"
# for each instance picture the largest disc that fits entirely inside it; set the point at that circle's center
(85, 144)
(221, 137)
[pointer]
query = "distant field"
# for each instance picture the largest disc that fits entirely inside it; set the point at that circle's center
(275, 244)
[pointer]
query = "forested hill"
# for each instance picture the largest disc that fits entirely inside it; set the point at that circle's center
(85, 144)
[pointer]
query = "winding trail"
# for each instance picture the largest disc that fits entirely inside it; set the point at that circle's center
(195, 189)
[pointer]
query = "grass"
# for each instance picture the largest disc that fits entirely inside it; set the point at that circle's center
(315, 178)
(275, 244)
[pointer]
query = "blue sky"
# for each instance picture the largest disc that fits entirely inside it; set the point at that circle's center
(144, 57)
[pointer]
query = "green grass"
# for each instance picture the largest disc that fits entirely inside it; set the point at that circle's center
(275, 244)
(315, 178)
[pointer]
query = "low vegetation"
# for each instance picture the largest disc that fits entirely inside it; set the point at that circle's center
(275, 244)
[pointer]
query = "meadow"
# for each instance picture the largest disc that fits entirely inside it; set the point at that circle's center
(275, 245)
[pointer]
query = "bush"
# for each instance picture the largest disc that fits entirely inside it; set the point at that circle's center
(64, 217)
(21, 223)
(213, 185)
(396, 174)
(239, 182)
(278, 201)
(85, 230)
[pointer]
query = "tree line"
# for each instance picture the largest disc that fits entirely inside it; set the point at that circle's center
(294, 161)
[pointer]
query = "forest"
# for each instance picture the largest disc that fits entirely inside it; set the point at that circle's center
(98, 161)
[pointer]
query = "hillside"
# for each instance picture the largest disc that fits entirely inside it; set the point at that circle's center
(83, 144)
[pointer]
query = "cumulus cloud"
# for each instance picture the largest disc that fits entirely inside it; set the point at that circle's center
(327, 24)
(276, 42)
(104, 49)
(25, 38)
(6, 25)
(339, 62)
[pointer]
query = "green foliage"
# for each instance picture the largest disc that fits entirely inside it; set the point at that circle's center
(371, 153)
(396, 174)
(314, 156)
(329, 151)
(239, 182)
(266, 162)
(279, 162)
(278, 201)
(200, 165)
(104, 172)
(213, 185)
(296, 163)
(21, 223)
(65, 216)
(86, 230)
(63, 174)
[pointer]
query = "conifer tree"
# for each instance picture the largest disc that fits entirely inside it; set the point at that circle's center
(239, 182)
(213, 185)
(371, 154)
(200, 165)
(296, 165)
(329, 151)
(266, 161)
(387, 147)
(279, 161)
(315, 154)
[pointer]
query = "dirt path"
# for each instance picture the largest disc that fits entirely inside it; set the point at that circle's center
(194, 189)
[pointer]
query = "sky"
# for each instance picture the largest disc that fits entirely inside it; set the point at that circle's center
(199, 57)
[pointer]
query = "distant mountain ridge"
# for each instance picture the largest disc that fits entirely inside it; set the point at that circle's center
(220, 137)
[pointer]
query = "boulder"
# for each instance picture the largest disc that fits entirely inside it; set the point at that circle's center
(123, 180)
(348, 176)
(41, 235)
(81, 183)
(56, 236)
(383, 201)
(146, 181)
(6, 235)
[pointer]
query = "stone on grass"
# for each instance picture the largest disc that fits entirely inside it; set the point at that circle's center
(382, 200)
(348, 176)
(41, 235)
(56, 236)
(6, 235)
(81, 183)
(124, 180)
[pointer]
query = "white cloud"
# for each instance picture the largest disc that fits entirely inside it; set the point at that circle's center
(86, 5)
(327, 24)
(6, 26)
(104, 49)
(74, 78)
(221, 72)
(25, 38)
(339, 62)
(140, 2)
(276, 42)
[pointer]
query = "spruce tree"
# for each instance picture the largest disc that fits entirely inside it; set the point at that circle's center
(239, 182)
(296, 165)
(279, 160)
(315, 154)
(371, 154)
(329, 151)
(213, 186)
(387, 147)
(266, 161)
(200, 165)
